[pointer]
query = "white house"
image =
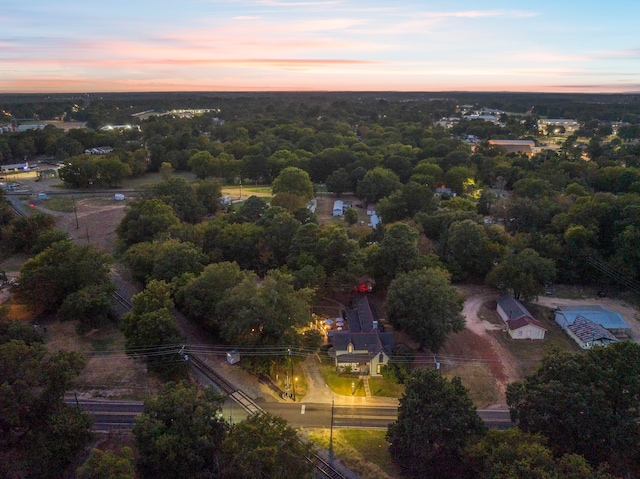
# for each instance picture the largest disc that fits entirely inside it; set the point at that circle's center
(520, 323)
(361, 347)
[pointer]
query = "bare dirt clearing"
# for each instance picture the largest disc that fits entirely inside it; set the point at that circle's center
(97, 220)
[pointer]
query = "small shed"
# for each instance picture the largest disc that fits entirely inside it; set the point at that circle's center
(338, 208)
(233, 356)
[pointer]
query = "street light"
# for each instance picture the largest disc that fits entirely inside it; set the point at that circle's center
(295, 381)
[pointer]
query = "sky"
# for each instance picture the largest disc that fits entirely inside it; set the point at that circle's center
(82, 46)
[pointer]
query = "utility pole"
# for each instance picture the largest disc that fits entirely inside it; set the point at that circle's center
(292, 380)
(75, 211)
(331, 433)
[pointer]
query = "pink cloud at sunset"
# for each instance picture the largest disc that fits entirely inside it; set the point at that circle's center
(298, 45)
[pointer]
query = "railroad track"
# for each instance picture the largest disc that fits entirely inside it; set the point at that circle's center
(322, 466)
(122, 301)
(15, 210)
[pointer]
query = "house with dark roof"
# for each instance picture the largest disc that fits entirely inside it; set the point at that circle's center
(591, 326)
(361, 347)
(519, 322)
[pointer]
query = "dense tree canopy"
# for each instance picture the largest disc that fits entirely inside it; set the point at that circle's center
(513, 454)
(150, 330)
(264, 445)
(145, 221)
(585, 404)
(47, 279)
(525, 273)
(39, 434)
(180, 433)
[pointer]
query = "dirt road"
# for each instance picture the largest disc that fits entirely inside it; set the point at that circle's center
(499, 361)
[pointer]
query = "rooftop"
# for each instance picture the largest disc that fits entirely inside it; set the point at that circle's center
(596, 314)
(586, 330)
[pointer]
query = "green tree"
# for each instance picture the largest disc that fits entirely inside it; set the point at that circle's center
(108, 465)
(338, 182)
(525, 273)
(436, 419)
(425, 305)
(253, 208)
(202, 163)
(174, 258)
(288, 201)
(404, 203)
(294, 181)
(208, 193)
(90, 306)
(166, 170)
(180, 433)
(459, 179)
(146, 220)
(470, 254)
(351, 216)
(265, 314)
(180, 195)
(585, 404)
(62, 269)
(264, 445)
(47, 238)
(150, 330)
(21, 234)
(140, 259)
(377, 184)
(201, 297)
(397, 253)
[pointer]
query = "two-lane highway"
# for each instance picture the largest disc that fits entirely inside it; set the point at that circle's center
(110, 415)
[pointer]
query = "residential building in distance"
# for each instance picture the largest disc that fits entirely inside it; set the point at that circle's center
(553, 126)
(526, 147)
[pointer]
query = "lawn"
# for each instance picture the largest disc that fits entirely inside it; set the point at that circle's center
(478, 379)
(61, 204)
(342, 383)
(382, 388)
(366, 452)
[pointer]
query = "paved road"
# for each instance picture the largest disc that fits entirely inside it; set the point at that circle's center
(113, 415)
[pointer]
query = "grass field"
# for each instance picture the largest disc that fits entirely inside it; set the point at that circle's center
(366, 452)
(478, 379)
